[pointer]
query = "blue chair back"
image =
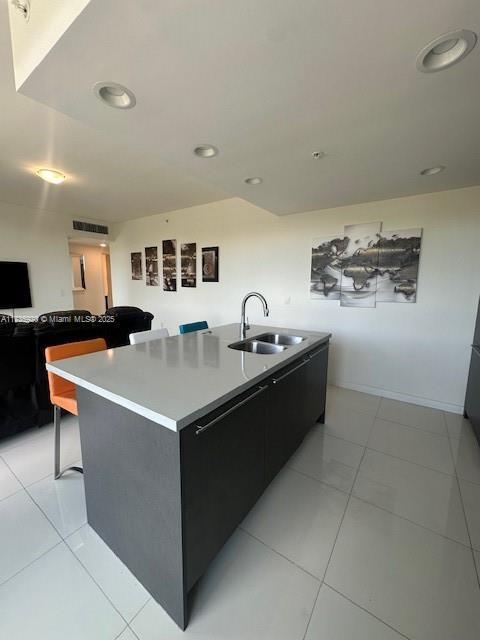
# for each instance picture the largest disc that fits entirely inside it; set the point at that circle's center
(193, 326)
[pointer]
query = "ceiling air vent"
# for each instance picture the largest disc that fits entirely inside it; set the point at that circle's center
(90, 227)
(23, 7)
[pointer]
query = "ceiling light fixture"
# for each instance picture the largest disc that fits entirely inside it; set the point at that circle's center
(205, 151)
(115, 95)
(103, 244)
(318, 155)
(253, 181)
(432, 171)
(446, 50)
(51, 175)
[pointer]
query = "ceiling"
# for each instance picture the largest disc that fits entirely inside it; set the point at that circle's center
(107, 179)
(267, 82)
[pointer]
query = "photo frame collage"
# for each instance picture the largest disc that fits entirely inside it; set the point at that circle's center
(169, 276)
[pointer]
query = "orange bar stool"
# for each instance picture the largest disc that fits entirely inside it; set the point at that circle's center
(63, 393)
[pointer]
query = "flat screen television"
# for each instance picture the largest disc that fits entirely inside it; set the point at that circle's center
(14, 286)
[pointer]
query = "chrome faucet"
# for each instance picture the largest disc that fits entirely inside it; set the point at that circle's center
(244, 324)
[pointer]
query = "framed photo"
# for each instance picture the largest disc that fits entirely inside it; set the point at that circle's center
(188, 264)
(169, 265)
(136, 260)
(210, 264)
(151, 266)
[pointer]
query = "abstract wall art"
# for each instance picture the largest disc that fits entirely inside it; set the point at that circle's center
(210, 264)
(169, 249)
(359, 265)
(136, 261)
(151, 266)
(188, 260)
(326, 272)
(366, 265)
(398, 261)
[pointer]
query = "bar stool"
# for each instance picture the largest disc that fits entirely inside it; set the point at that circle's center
(193, 326)
(145, 336)
(63, 393)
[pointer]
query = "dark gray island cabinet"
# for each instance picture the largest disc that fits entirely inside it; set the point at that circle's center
(165, 501)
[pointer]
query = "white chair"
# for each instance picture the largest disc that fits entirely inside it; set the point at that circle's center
(146, 336)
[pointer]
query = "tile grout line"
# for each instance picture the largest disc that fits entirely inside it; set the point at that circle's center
(333, 547)
(131, 631)
(297, 566)
(12, 494)
(338, 533)
(477, 571)
(139, 612)
(25, 486)
(57, 544)
(445, 473)
(43, 514)
(96, 584)
(409, 426)
(382, 397)
(350, 494)
(397, 515)
(323, 482)
(416, 524)
(28, 440)
(121, 632)
(331, 435)
(412, 426)
(46, 516)
(62, 539)
(14, 474)
(25, 489)
(44, 432)
(366, 611)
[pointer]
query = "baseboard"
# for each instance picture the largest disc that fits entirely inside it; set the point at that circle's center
(403, 397)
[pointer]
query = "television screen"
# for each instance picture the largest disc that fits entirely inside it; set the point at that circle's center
(14, 286)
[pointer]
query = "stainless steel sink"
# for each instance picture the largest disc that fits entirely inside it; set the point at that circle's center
(279, 338)
(255, 346)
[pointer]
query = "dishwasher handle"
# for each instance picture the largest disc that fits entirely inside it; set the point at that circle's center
(202, 428)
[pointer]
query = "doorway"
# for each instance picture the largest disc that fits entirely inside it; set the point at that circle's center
(91, 275)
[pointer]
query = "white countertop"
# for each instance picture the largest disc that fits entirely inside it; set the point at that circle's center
(173, 381)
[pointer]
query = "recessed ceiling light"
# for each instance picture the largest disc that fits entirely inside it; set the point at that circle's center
(115, 95)
(432, 171)
(103, 244)
(446, 50)
(254, 180)
(51, 175)
(205, 151)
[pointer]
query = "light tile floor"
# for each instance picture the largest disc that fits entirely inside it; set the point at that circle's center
(372, 532)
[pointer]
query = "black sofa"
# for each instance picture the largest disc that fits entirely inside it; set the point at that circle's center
(24, 395)
(17, 376)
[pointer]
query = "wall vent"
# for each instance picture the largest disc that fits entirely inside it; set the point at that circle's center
(90, 227)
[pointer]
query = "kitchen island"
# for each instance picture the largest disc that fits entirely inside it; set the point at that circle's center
(180, 436)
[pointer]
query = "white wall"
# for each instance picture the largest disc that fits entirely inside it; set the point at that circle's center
(39, 238)
(92, 297)
(415, 352)
(32, 40)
